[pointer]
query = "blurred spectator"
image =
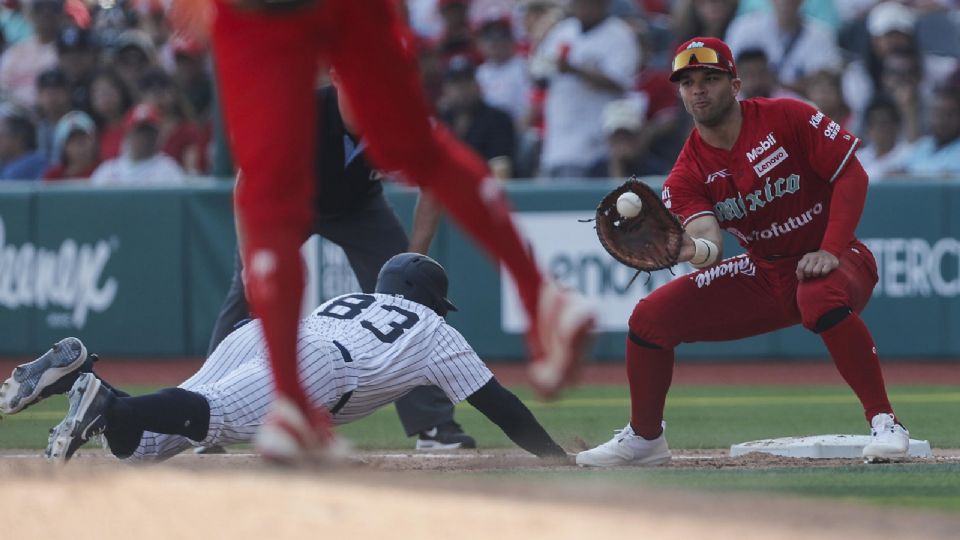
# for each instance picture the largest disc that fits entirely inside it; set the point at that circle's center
(111, 20)
(823, 88)
(901, 79)
(892, 27)
(938, 27)
(665, 127)
(623, 121)
(190, 74)
(707, 18)
(19, 157)
(53, 101)
(503, 75)
(75, 153)
(486, 129)
(180, 137)
(850, 10)
(594, 59)
(432, 70)
(539, 17)
(22, 63)
(78, 51)
(456, 38)
(795, 45)
(938, 154)
(134, 54)
(627, 10)
(141, 162)
(485, 10)
(109, 102)
(152, 21)
(424, 18)
(884, 150)
(757, 79)
(14, 27)
(823, 11)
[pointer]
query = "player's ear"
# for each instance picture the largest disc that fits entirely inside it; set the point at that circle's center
(736, 84)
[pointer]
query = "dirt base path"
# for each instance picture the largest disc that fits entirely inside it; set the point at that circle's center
(235, 496)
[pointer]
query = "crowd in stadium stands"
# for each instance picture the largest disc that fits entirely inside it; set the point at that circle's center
(104, 89)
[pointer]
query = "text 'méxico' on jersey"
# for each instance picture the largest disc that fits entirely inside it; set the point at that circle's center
(772, 189)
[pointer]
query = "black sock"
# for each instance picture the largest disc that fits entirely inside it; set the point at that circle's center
(172, 411)
(116, 391)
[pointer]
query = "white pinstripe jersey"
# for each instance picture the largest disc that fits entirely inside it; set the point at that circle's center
(394, 345)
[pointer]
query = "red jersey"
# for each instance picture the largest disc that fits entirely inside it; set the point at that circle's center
(772, 189)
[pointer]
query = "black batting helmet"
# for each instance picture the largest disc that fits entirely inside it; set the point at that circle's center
(417, 278)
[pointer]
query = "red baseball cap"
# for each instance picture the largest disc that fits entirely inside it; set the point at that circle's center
(703, 52)
(144, 113)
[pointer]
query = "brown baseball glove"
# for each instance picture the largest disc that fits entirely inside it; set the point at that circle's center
(650, 240)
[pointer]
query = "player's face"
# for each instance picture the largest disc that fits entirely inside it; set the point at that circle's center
(708, 95)
(945, 120)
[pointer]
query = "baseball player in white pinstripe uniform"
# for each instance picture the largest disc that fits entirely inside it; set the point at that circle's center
(357, 353)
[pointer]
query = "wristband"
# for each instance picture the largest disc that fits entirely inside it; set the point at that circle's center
(705, 253)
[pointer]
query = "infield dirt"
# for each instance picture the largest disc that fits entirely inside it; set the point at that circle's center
(397, 495)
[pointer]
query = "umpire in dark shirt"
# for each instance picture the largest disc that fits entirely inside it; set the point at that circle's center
(351, 211)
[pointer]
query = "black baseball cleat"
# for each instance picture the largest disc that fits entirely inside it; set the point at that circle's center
(447, 436)
(53, 373)
(86, 418)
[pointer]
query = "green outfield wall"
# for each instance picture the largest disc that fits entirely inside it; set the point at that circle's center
(142, 272)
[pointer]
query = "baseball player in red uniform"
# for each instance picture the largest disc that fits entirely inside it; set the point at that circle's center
(267, 54)
(783, 179)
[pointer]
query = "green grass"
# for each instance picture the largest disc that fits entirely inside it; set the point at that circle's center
(705, 417)
(928, 486)
(698, 417)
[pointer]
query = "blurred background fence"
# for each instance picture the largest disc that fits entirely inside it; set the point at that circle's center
(141, 272)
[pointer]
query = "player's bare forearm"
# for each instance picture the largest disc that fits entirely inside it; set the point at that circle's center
(592, 77)
(426, 219)
(706, 227)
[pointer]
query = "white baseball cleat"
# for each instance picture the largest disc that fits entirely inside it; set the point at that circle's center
(890, 439)
(627, 448)
(291, 436)
(558, 339)
(54, 372)
(86, 418)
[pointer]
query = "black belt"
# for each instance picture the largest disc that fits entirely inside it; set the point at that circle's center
(778, 257)
(343, 351)
(341, 402)
(346, 396)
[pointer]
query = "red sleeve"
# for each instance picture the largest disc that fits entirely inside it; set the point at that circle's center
(682, 194)
(829, 147)
(846, 207)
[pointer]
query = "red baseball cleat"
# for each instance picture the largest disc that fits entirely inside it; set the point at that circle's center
(292, 436)
(558, 339)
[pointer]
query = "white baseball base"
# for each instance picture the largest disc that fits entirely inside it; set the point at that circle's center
(821, 447)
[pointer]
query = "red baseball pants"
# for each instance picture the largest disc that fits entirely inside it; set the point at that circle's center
(741, 297)
(267, 67)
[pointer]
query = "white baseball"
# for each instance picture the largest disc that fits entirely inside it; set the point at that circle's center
(629, 205)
